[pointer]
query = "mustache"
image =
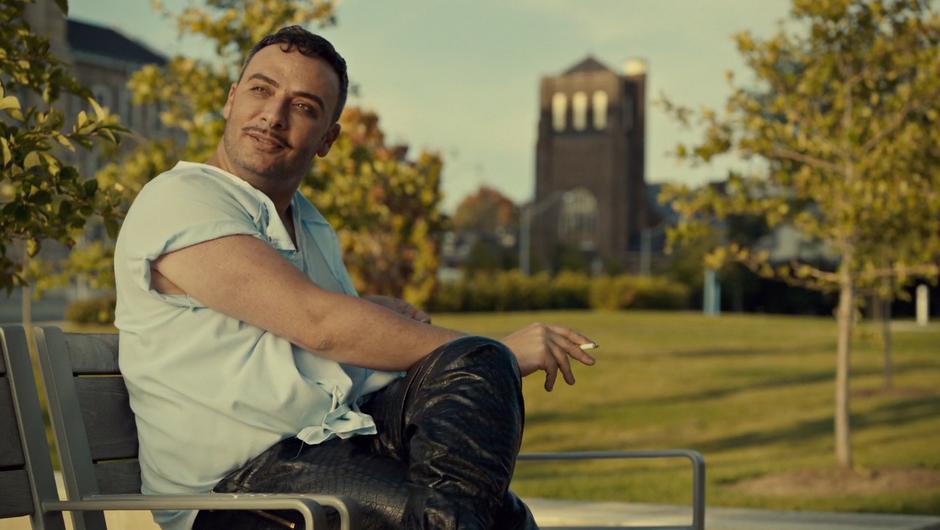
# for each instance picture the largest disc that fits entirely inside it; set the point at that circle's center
(267, 134)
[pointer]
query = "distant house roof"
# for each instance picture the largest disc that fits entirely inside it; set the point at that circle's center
(589, 64)
(106, 42)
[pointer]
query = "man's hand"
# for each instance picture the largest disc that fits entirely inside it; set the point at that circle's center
(399, 306)
(545, 347)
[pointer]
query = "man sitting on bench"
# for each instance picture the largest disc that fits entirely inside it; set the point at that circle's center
(253, 365)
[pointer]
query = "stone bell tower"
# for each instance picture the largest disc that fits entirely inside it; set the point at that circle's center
(590, 190)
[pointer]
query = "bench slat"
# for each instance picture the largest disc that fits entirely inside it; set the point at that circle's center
(93, 353)
(118, 478)
(28, 485)
(11, 451)
(109, 421)
(15, 500)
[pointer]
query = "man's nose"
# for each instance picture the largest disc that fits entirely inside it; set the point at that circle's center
(275, 114)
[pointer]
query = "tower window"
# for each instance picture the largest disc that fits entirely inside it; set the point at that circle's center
(579, 103)
(559, 111)
(599, 105)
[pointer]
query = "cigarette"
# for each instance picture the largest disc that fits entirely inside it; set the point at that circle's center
(588, 346)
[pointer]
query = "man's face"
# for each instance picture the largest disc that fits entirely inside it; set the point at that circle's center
(280, 114)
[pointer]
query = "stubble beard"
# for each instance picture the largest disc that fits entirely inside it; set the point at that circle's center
(244, 160)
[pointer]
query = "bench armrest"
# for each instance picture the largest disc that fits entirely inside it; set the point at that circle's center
(310, 506)
(696, 458)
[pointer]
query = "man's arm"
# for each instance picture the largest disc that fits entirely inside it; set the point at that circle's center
(243, 277)
(399, 306)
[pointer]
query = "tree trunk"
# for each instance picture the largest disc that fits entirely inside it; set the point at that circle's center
(886, 339)
(887, 344)
(27, 309)
(846, 317)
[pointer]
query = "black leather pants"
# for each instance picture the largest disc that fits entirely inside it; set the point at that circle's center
(448, 436)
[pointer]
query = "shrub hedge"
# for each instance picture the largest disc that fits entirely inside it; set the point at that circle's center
(504, 291)
(92, 311)
(513, 291)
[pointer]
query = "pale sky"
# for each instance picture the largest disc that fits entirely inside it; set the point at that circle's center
(461, 77)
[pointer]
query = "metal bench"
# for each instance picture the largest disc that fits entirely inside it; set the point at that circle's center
(26, 478)
(27, 481)
(97, 438)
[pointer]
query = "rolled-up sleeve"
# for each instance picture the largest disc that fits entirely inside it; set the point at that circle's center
(175, 212)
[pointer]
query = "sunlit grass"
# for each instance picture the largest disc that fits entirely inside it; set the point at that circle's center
(753, 393)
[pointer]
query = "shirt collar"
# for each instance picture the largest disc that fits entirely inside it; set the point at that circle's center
(307, 211)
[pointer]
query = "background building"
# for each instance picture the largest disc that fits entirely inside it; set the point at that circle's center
(591, 201)
(103, 60)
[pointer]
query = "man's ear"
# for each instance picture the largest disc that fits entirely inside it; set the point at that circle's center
(227, 109)
(328, 139)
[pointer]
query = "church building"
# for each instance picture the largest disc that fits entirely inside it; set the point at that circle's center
(591, 199)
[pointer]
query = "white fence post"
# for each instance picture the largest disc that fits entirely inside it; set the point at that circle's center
(923, 305)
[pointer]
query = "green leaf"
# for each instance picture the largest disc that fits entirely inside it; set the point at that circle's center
(7, 155)
(100, 113)
(32, 159)
(62, 139)
(42, 197)
(32, 247)
(52, 163)
(20, 213)
(10, 102)
(91, 186)
(109, 135)
(68, 173)
(65, 208)
(112, 227)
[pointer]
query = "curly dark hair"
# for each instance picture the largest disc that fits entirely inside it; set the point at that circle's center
(297, 38)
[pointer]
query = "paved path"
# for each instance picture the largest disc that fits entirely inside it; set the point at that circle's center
(558, 513)
(604, 515)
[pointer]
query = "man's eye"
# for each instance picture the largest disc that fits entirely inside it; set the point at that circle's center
(303, 107)
(259, 89)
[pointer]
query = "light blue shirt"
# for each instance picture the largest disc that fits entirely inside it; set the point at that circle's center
(210, 392)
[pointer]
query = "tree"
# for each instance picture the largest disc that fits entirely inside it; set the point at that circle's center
(488, 221)
(384, 205)
(386, 209)
(844, 113)
(486, 211)
(42, 196)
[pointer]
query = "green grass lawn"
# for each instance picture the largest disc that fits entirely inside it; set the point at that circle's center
(754, 394)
